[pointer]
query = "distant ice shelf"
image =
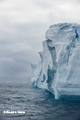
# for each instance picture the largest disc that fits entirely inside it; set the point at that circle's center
(58, 71)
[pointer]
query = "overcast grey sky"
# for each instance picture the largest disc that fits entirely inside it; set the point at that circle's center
(23, 24)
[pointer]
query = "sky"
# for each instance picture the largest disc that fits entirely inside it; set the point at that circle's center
(23, 25)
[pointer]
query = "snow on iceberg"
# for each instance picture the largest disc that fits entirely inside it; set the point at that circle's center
(58, 71)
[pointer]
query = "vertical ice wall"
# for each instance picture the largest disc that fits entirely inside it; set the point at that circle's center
(60, 60)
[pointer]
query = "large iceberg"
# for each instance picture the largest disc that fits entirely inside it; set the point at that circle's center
(58, 71)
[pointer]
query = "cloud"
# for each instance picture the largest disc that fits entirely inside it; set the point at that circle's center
(2, 0)
(23, 24)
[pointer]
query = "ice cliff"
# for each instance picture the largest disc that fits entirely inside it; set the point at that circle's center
(58, 71)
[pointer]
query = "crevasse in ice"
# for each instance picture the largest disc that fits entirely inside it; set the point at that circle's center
(58, 71)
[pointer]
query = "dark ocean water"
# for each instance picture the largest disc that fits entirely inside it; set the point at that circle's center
(37, 104)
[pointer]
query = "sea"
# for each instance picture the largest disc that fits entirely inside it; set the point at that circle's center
(21, 101)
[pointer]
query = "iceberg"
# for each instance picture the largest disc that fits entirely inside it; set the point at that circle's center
(58, 70)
